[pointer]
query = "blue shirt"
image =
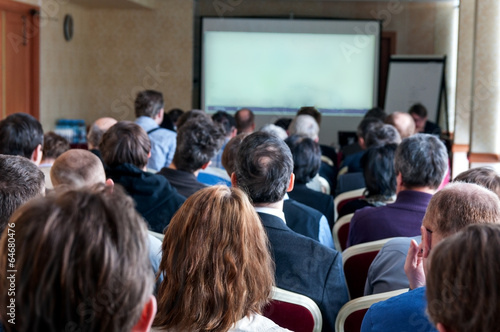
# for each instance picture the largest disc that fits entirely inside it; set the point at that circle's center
(405, 312)
(163, 143)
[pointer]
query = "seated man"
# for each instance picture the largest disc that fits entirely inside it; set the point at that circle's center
(53, 146)
(264, 166)
(421, 162)
(86, 271)
(450, 210)
(125, 149)
(198, 140)
(403, 122)
(228, 124)
(97, 129)
(149, 112)
(20, 181)
(461, 300)
(386, 272)
(245, 121)
(21, 135)
(422, 125)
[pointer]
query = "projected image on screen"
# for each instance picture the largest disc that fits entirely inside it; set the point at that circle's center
(278, 72)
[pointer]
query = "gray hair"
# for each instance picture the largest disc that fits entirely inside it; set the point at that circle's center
(422, 160)
(304, 125)
(275, 130)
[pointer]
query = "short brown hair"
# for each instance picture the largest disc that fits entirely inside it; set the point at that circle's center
(216, 263)
(419, 110)
(230, 151)
(460, 204)
(484, 176)
(77, 168)
(463, 292)
(125, 143)
(54, 145)
(148, 103)
(81, 260)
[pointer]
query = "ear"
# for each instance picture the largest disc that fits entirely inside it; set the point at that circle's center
(147, 315)
(233, 180)
(426, 242)
(206, 165)
(290, 185)
(234, 132)
(110, 183)
(37, 154)
(442, 328)
(361, 142)
(399, 183)
(149, 154)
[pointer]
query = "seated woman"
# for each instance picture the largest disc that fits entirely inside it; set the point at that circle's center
(218, 273)
(380, 179)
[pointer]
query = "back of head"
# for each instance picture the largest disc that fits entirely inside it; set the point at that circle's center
(382, 134)
(20, 134)
(484, 176)
(193, 114)
(418, 109)
(422, 160)
(198, 141)
(125, 143)
(458, 205)
(304, 125)
(245, 120)
(211, 286)
(403, 122)
(77, 168)
(82, 263)
(230, 152)
(226, 120)
(148, 103)
(462, 284)
(378, 170)
(20, 181)
(367, 125)
(312, 111)
(275, 130)
(376, 113)
(54, 145)
(306, 157)
(97, 129)
(175, 114)
(264, 165)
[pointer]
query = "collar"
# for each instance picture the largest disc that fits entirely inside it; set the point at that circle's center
(271, 211)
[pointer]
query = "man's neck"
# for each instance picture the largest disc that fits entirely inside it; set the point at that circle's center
(172, 166)
(276, 205)
(426, 190)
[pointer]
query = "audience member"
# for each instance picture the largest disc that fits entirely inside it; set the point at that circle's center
(450, 210)
(53, 146)
(198, 140)
(275, 130)
(264, 170)
(20, 181)
(21, 135)
(403, 122)
(228, 124)
(174, 114)
(381, 135)
(380, 179)
(306, 163)
(81, 262)
(422, 125)
(312, 111)
(223, 284)
(421, 162)
(245, 121)
(304, 125)
(463, 289)
(386, 272)
(300, 218)
(94, 136)
(283, 123)
(193, 114)
(149, 112)
(125, 148)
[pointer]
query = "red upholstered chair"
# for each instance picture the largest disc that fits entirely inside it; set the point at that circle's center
(343, 198)
(340, 232)
(356, 261)
(351, 315)
(293, 311)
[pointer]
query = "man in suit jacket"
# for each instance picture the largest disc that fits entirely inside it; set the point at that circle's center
(264, 168)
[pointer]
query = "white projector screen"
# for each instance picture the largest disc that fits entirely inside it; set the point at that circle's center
(276, 66)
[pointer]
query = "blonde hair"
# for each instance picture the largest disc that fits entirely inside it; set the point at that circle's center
(216, 263)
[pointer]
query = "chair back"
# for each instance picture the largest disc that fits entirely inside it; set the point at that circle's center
(350, 316)
(340, 232)
(356, 261)
(343, 198)
(293, 311)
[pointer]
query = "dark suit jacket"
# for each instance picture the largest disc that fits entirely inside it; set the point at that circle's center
(306, 267)
(302, 219)
(319, 201)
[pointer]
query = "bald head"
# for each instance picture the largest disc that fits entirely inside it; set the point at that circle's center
(403, 122)
(461, 204)
(98, 128)
(77, 168)
(245, 121)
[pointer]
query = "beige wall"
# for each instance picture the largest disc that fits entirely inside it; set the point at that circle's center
(113, 54)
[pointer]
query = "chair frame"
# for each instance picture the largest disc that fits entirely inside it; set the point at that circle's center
(335, 231)
(344, 196)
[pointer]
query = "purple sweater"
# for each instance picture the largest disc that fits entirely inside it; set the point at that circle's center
(402, 218)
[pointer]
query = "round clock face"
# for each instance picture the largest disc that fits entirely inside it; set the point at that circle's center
(68, 27)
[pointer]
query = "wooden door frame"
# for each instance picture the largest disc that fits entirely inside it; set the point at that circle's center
(33, 12)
